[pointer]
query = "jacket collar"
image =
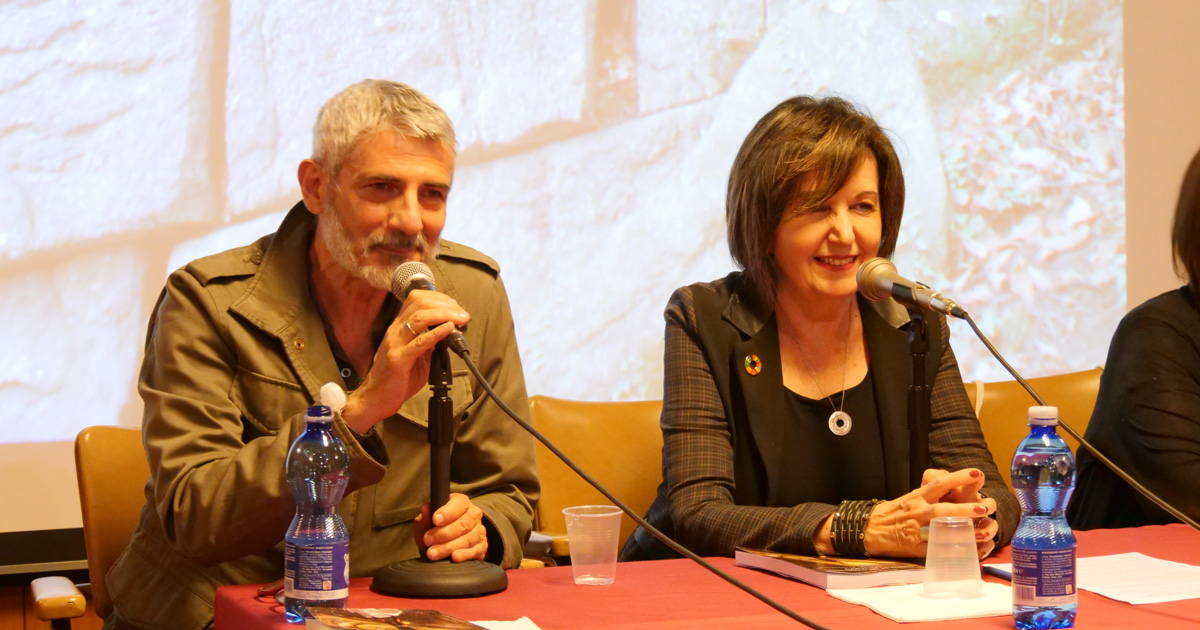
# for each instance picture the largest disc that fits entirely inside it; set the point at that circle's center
(278, 301)
(744, 311)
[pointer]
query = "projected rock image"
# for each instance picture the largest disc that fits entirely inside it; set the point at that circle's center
(595, 142)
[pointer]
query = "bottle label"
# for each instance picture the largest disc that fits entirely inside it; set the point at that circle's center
(1043, 577)
(316, 572)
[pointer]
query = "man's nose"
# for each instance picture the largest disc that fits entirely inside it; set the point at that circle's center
(405, 214)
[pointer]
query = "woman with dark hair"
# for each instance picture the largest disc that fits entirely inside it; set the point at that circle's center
(1147, 416)
(785, 395)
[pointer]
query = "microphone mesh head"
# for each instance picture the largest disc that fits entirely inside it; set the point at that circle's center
(404, 275)
(873, 280)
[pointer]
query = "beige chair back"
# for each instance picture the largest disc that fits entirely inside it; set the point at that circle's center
(618, 443)
(1003, 410)
(111, 466)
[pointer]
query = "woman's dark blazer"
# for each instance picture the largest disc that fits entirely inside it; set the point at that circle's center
(718, 491)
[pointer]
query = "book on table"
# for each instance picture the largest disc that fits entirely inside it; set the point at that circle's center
(323, 618)
(832, 572)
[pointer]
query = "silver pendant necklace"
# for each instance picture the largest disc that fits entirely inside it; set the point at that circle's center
(840, 422)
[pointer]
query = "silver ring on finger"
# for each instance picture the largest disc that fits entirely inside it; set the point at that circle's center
(408, 325)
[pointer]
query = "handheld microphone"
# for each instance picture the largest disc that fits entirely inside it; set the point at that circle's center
(414, 275)
(879, 280)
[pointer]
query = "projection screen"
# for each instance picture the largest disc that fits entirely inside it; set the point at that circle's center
(595, 142)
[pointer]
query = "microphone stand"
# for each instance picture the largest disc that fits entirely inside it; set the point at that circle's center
(422, 577)
(918, 398)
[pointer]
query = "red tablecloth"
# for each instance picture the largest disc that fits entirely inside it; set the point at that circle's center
(680, 594)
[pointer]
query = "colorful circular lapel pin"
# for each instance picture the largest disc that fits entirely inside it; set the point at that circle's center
(753, 364)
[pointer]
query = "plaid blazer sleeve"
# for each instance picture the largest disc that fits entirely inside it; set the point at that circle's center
(956, 441)
(698, 457)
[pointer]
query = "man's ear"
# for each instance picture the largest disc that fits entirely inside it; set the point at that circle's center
(314, 186)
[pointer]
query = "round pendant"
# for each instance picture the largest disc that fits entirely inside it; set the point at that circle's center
(839, 423)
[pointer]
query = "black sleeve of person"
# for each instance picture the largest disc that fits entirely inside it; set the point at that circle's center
(1147, 420)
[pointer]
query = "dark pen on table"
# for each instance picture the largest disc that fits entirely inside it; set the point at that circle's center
(991, 569)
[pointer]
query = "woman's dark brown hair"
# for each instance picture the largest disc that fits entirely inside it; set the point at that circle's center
(1185, 235)
(795, 158)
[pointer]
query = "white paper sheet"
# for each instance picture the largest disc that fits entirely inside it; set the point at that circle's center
(1135, 578)
(905, 603)
(524, 623)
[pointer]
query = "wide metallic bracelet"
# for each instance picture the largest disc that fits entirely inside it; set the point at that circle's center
(847, 530)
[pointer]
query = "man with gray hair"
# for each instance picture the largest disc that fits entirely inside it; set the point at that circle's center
(241, 342)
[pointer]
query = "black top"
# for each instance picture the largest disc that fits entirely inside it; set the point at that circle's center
(1147, 419)
(849, 463)
(387, 314)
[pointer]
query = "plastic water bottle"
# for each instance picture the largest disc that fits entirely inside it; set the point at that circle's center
(1043, 550)
(317, 546)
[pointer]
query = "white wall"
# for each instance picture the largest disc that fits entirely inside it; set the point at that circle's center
(1162, 90)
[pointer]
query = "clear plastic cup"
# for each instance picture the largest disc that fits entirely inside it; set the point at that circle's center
(952, 560)
(593, 532)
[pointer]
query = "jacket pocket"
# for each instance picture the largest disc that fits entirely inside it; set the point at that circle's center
(405, 485)
(147, 596)
(416, 408)
(266, 402)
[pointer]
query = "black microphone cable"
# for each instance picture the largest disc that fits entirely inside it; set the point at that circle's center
(666, 540)
(1082, 442)
(881, 268)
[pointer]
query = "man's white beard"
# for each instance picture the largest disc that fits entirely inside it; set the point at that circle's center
(347, 253)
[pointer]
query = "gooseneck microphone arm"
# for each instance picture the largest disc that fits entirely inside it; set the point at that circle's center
(666, 540)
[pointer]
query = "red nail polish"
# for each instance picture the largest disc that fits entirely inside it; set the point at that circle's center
(976, 474)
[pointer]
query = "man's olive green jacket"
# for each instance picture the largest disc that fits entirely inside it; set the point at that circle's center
(235, 352)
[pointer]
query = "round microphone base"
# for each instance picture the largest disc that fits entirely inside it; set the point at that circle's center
(420, 577)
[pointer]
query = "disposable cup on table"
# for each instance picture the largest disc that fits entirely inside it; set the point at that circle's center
(593, 532)
(952, 560)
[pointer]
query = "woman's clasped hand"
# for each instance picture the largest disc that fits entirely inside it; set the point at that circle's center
(899, 528)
